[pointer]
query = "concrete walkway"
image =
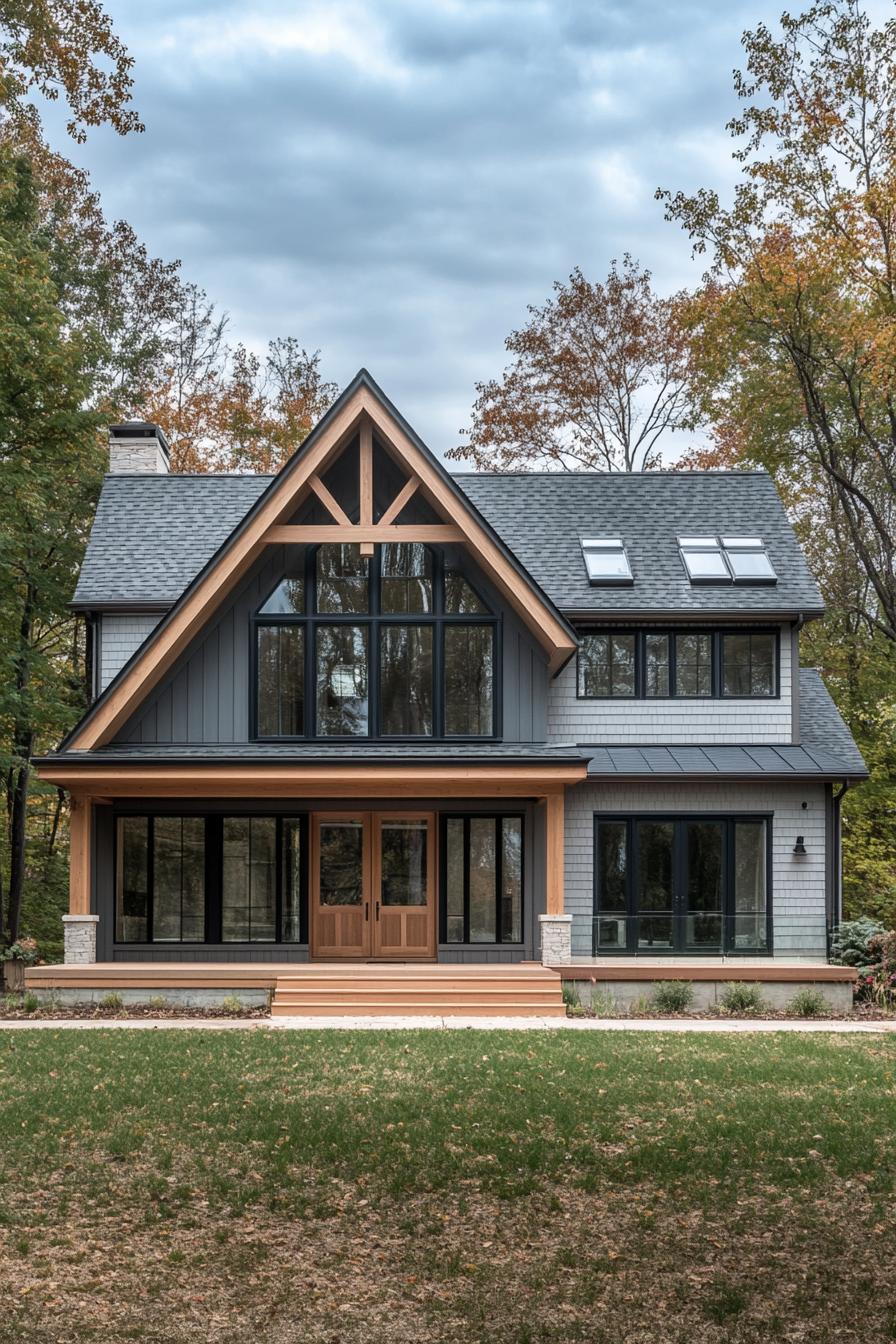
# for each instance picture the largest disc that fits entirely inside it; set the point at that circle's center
(677, 1025)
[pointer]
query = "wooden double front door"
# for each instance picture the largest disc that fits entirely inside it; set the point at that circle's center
(373, 885)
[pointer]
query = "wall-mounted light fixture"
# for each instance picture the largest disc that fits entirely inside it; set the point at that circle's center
(799, 847)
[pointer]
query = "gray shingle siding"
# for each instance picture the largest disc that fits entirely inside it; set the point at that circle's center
(120, 638)
(663, 721)
(798, 882)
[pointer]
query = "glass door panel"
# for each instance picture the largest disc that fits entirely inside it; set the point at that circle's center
(340, 886)
(404, 895)
(748, 930)
(703, 886)
(654, 887)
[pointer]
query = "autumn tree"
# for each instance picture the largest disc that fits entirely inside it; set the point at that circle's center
(223, 407)
(65, 49)
(51, 463)
(598, 376)
(794, 332)
(793, 337)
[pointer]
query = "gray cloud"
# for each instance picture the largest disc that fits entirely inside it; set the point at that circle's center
(394, 182)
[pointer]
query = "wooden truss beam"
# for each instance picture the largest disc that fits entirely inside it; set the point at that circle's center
(405, 493)
(330, 503)
(289, 534)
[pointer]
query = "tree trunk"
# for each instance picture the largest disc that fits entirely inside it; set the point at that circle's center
(17, 838)
(20, 776)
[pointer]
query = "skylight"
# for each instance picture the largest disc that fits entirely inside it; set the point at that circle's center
(606, 561)
(703, 560)
(748, 560)
(726, 560)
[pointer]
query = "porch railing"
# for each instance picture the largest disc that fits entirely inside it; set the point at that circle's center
(694, 934)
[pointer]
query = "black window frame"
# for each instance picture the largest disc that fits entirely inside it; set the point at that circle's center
(716, 634)
(214, 895)
(776, 665)
(438, 619)
(679, 820)
(466, 818)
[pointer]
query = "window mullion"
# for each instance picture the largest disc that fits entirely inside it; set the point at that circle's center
(466, 880)
(150, 877)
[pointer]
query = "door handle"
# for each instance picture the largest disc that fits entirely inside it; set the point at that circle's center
(366, 911)
(377, 912)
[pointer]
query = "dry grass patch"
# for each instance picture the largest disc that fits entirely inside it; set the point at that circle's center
(337, 1189)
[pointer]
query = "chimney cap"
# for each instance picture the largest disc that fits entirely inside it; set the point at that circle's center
(141, 429)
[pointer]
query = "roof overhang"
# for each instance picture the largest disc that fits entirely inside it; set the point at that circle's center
(663, 615)
(87, 779)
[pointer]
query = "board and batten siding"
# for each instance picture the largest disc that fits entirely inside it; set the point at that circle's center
(798, 893)
(671, 722)
(206, 696)
(120, 638)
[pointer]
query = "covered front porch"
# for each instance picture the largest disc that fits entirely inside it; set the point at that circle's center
(197, 864)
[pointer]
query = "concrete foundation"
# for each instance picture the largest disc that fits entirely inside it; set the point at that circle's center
(707, 994)
(175, 998)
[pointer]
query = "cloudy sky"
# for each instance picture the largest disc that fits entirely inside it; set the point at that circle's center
(393, 181)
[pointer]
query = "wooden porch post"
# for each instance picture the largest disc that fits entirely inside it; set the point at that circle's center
(554, 851)
(79, 856)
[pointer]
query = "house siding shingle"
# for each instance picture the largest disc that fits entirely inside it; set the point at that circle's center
(709, 722)
(120, 638)
(798, 883)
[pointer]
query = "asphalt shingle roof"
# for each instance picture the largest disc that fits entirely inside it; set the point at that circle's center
(543, 519)
(152, 535)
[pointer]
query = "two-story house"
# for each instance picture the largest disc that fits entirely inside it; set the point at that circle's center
(366, 709)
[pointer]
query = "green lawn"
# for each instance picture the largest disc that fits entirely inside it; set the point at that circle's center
(338, 1187)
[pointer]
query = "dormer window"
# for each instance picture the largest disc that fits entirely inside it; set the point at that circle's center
(606, 562)
(395, 646)
(726, 560)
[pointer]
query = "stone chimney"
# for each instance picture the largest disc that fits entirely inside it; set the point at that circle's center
(138, 446)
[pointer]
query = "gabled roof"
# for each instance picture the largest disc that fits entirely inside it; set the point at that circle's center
(362, 406)
(153, 534)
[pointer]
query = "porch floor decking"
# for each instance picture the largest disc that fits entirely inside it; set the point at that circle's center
(769, 969)
(108, 975)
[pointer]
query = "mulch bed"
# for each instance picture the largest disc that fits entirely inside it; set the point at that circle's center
(91, 1011)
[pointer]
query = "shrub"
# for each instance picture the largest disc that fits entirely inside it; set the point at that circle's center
(809, 1002)
(25, 951)
(602, 1003)
(849, 945)
(570, 991)
(672, 996)
(231, 1003)
(878, 981)
(157, 1002)
(112, 1001)
(742, 999)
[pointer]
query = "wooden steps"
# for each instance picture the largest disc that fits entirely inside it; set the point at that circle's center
(417, 991)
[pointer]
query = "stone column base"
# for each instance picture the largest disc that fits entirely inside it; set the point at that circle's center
(556, 939)
(80, 939)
